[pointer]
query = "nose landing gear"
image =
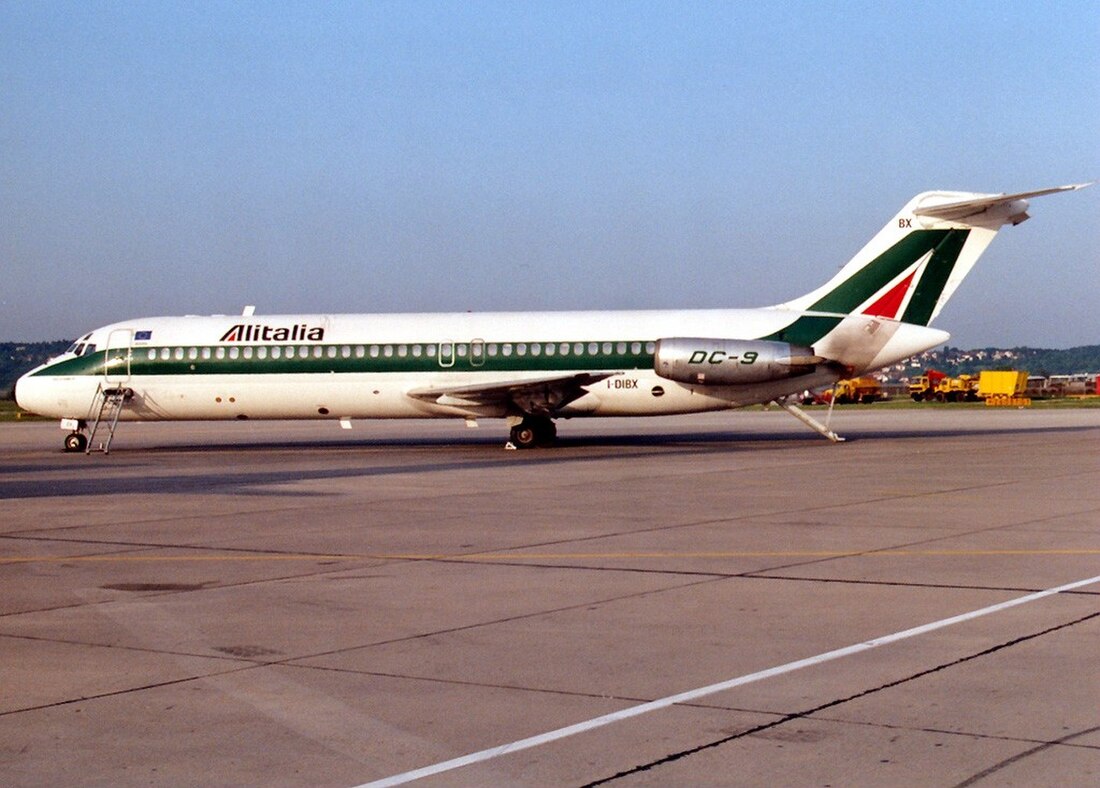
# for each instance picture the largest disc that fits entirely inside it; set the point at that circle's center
(76, 442)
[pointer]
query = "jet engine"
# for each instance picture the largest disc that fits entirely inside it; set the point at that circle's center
(731, 362)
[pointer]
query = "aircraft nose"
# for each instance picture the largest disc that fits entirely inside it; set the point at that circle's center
(28, 394)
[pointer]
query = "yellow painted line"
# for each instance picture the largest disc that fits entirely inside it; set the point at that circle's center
(720, 555)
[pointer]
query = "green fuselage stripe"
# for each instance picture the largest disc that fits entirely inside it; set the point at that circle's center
(345, 359)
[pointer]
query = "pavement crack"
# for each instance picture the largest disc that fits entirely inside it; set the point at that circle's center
(640, 768)
(973, 779)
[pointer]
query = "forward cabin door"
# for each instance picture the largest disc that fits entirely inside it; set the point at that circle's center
(116, 363)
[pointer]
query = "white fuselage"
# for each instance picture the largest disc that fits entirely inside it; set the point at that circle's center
(365, 366)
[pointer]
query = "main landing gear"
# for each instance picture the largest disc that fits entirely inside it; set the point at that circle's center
(532, 431)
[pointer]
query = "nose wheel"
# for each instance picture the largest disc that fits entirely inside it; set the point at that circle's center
(76, 441)
(533, 431)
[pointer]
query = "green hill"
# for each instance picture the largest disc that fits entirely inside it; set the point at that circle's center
(1036, 361)
(18, 357)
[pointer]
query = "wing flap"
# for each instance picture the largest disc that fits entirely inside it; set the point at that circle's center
(529, 395)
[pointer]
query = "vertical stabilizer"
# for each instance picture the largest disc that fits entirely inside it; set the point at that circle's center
(910, 269)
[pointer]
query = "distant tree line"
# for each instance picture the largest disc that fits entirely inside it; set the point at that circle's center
(19, 357)
(1043, 362)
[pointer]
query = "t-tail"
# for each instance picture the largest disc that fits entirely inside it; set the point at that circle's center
(878, 307)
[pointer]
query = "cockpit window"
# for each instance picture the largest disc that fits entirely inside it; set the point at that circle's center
(81, 346)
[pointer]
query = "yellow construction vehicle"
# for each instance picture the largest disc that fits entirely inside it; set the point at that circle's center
(924, 387)
(861, 390)
(964, 388)
(1003, 387)
(939, 386)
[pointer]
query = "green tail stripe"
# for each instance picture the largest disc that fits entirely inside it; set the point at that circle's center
(936, 273)
(806, 330)
(875, 275)
(945, 245)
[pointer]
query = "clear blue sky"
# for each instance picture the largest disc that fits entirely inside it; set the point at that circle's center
(172, 158)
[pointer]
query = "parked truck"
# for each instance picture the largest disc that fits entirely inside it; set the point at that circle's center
(1003, 387)
(936, 385)
(924, 387)
(964, 388)
(861, 390)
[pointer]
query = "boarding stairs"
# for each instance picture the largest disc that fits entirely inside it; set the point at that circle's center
(109, 401)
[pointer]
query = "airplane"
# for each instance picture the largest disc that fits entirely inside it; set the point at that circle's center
(532, 367)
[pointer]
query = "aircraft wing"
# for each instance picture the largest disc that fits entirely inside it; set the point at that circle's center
(541, 396)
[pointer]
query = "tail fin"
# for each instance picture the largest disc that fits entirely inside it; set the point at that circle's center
(912, 267)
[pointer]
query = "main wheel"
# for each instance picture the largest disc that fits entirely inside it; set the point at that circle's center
(76, 441)
(524, 435)
(547, 432)
(533, 431)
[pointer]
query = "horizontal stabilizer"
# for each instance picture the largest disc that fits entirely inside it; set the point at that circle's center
(957, 211)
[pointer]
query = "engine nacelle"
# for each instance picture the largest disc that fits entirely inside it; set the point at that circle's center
(731, 362)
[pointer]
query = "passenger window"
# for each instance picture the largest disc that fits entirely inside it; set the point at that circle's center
(318, 351)
(205, 353)
(248, 351)
(620, 348)
(536, 349)
(261, 352)
(152, 354)
(387, 351)
(219, 352)
(635, 347)
(360, 351)
(521, 349)
(650, 347)
(463, 349)
(193, 353)
(506, 349)
(234, 352)
(492, 348)
(418, 351)
(593, 348)
(578, 349)
(276, 352)
(402, 350)
(178, 354)
(165, 353)
(374, 351)
(606, 348)
(549, 348)
(330, 351)
(345, 351)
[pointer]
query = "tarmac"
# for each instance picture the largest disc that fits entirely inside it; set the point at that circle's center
(725, 599)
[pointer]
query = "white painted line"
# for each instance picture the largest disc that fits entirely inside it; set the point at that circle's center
(722, 686)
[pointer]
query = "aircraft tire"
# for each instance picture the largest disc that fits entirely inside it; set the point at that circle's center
(533, 431)
(547, 431)
(75, 441)
(524, 435)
